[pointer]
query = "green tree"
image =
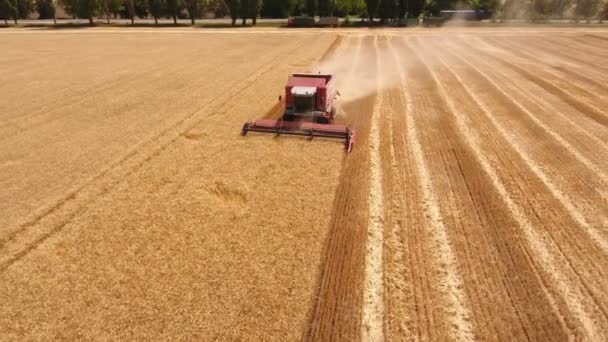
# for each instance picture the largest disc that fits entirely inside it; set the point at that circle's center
(105, 6)
(70, 6)
(250, 9)
(297, 7)
(45, 9)
(130, 6)
(603, 15)
(585, 9)
(544, 9)
(415, 7)
(194, 9)
(244, 9)
(7, 11)
(254, 11)
(156, 9)
(387, 10)
(311, 7)
(173, 9)
(141, 8)
(233, 8)
(275, 8)
(24, 8)
(372, 9)
(87, 9)
(327, 7)
(483, 4)
(16, 9)
(350, 7)
(116, 7)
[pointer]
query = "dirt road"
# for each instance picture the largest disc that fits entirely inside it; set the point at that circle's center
(474, 206)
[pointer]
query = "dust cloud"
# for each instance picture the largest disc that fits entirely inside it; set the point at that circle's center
(358, 70)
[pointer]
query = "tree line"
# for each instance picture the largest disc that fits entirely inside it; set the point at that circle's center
(385, 10)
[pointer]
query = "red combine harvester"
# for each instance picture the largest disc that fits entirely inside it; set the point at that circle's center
(309, 111)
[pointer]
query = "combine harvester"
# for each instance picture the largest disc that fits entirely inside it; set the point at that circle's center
(309, 111)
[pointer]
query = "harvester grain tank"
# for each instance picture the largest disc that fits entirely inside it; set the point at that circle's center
(309, 111)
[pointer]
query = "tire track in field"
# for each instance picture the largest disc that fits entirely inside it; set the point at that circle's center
(337, 309)
(108, 83)
(482, 227)
(578, 299)
(579, 82)
(591, 261)
(583, 143)
(461, 324)
(88, 89)
(564, 53)
(373, 304)
(565, 94)
(550, 177)
(400, 311)
(13, 248)
(549, 67)
(99, 86)
(129, 154)
(590, 48)
(597, 132)
(603, 39)
(131, 84)
(539, 101)
(503, 82)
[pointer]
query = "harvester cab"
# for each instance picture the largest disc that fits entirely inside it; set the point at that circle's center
(304, 99)
(309, 111)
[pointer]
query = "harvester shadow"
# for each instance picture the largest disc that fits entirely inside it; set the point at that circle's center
(337, 297)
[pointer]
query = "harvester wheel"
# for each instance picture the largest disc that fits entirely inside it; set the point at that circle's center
(245, 129)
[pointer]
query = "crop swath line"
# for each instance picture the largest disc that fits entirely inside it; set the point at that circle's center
(373, 308)
(579, 241)
(541, 129)
(541, 103)
(526, 55)
(413, 231)
(603, 39)
(400, 295)
(588, 48)
(461, 326)
(564, 53)
(591, 231)
(558, 50)
(520, 148)
(581, 106)
(549, 71)
(423, 299)
(482, 225)
(570, 296)
(571, 149)
(236, 88)
(337, 308)
(494, 82)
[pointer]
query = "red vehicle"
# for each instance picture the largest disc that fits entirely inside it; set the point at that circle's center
(310, 96)
(309, 111)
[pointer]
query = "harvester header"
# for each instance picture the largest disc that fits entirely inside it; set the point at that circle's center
(309, 111)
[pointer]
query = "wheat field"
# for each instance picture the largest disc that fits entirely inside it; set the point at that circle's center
(474, 205)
